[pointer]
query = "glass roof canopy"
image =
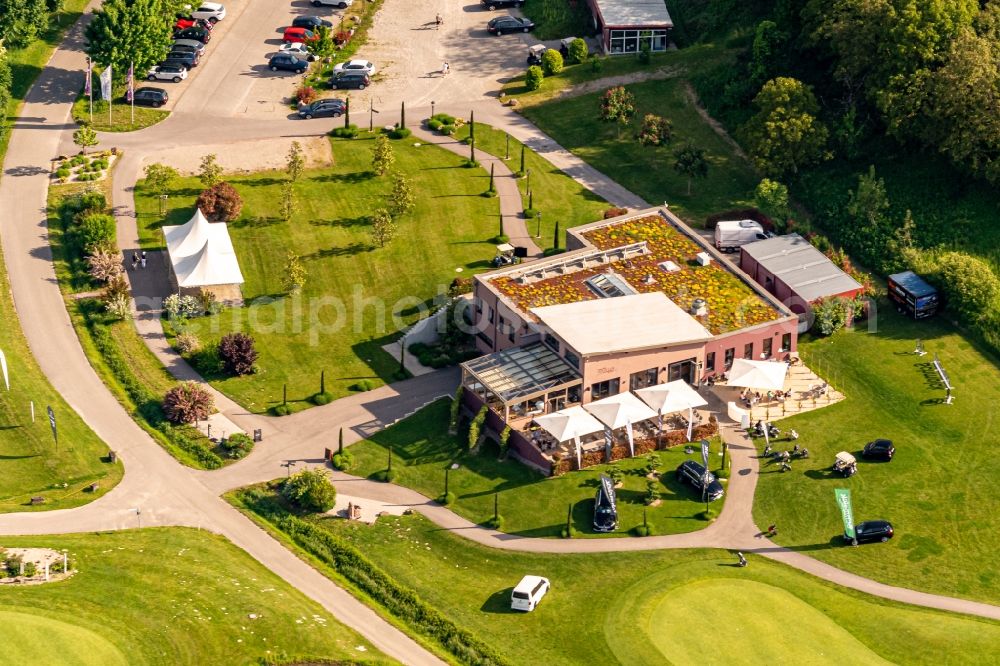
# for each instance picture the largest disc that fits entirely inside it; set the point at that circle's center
(522, 372)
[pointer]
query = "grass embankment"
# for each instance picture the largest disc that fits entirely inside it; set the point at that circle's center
(647, 170)
(357, 296)
(938, 491)
(115, 351)
(556, 19)
(557, 196)
(587, 76)
(530, 504)
(654, 607)
(121, 115)
(32, 466)
(167, 596)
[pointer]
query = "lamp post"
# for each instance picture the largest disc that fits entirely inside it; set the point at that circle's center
(527, 182)
(538, 228)
(288, 465)
(432, 108)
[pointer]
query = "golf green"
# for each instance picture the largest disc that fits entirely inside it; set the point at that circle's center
(33, 639)
(763, 624)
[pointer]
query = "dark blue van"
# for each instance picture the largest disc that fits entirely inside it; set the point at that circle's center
(912, 295)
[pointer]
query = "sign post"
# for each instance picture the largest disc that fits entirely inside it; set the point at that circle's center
(843, 496)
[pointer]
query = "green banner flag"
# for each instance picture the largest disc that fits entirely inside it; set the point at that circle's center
(844, 502)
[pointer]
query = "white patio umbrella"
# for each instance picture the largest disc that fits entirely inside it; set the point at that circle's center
(769, 375)
(570, 424)
(673, 397)
(621, 411)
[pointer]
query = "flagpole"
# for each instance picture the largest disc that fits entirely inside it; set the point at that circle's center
(90, 88)
(131, 88)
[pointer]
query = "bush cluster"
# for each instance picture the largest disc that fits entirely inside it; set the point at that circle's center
(237, 353)
(349, 562)
(238, 445)
(187, 402)
(342, 461)
(363, 385)
(400, 133)
(310, 490)
(220, 202)
(349, 132)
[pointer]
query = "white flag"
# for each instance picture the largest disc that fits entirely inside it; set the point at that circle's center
(106, 83)
(3, 367)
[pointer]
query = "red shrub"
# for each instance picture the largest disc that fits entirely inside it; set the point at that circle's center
(305, 94)
(237, 353)
(220, 202)
(186, 403)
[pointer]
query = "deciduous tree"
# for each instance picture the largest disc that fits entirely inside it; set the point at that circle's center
(237, 352)
(402, 199)
(690, 161)
(617, 106)
(296, 161)
(209, 172)
(220, 202)
(123, 32)
(21, 21)
(85, 137)
(383, 227)
(785, 133)
(382, 155)
(310, 490)
(159, 176)
(295, 273)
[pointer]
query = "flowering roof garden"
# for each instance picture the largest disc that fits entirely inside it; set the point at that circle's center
(732, 304)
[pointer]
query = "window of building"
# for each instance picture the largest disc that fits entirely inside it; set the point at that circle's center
(786, 342)
(552, 341)
(638, 380)
(730, 355)
(572, 359)
(510, 332)
(631, 41)
(489, 314)
(604, 389)
(766, 353)
(748, 351)
(710, 362)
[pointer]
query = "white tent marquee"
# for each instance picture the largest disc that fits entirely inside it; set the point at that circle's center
(620, 411)
(673, 397)
(570, 424)
(201, 254)
(769, 375)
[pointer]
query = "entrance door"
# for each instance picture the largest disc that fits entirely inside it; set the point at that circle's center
(682, 370)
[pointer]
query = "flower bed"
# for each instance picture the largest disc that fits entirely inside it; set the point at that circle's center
(731, 303)
(83, 168)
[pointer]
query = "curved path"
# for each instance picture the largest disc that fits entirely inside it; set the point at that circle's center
(167, 493)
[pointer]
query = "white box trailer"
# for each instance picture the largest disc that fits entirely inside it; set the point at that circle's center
(731, 234)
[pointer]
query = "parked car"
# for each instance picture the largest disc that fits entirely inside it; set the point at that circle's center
(356, 65)
(188, 45)
(605, 506)
(311, 22)
(297, 49)
(731, 234)
(879, 449)
(287, 62)
(147, 96)
(352, 79)
(208, 11)
(187, 59)
(322, 108)
(175, 73)
(704, 482)
(503, 25)
(871, 530)
(293, 35)
(343, 4)
(188, 22)
(493, 4)
(196, 33)
(528, 593)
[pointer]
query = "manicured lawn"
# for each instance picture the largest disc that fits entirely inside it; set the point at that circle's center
(357, 296)
(121, 115)
(939, 491)
(166, 596)
(557, 196)
(648, 171)
(531, 504)
(658, 607)
(31, 463)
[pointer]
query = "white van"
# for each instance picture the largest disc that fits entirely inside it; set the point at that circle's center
(528, 593)
(731, 234)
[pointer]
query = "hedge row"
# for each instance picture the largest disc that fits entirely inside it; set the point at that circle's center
(349, 562)
(148, 405)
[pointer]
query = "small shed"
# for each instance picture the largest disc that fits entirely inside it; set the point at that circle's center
(202, 257)
(795, 272)
(627, 25)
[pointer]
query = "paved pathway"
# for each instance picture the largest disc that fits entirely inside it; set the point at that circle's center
(169, 494)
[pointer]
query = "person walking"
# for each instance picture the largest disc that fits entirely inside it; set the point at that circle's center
(445, 68)
(142, 260)
(135, 260)
(772, 529)
(438, 21)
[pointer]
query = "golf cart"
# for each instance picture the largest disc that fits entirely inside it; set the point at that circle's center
(564, 45)
(505, 255)
(535, 54)
(845, 464)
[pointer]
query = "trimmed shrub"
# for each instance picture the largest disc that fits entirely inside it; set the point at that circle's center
(708, 514)
(220, 202)
(281, 409)
(434, 124)
(324, 398)
(495, 523)
(642, 530)
(400, 133)
(567, 532)
(310, 490)
(577, 51)
(385, 475)
(363, 385)
(552, 62)
(447, 499)
(96, 230)
(443, 118)
(238, 445)
(237, 352)
(343, 461)
(187, 402)
(349, 132)
(447, 130)
(533, 77)
(614, 212)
